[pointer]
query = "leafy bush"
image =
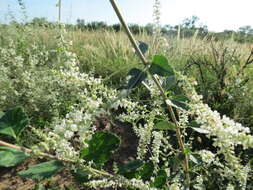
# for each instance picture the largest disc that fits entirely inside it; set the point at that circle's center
(223, 73)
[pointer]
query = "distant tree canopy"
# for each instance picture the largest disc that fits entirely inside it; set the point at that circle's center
(246, 30)
(190, 23)
(42, 21)
(188, 28)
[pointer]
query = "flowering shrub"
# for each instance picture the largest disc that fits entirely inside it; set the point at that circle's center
(167, 122)
(47, 83)
(156, 149)
(159, 162)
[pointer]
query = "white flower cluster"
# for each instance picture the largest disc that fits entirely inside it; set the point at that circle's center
(207, 156)
(140, 184)
(47, 88)
(65, 150)
(103, 183)
(125, 103)
(144, 133)
(157, 17)
(135, 113)
(175, 186)
(78, 124)
(154, 90)
(226, 133)
(230, 187)
(199, 184)
(156, 145)
(183, 118)
(120, 182)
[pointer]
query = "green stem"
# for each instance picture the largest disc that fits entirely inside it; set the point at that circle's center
(27, 150)
(157, 82)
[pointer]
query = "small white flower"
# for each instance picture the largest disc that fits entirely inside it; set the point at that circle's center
(207, 156)
(68, 134)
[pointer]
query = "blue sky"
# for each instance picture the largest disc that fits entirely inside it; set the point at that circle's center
(216, 14)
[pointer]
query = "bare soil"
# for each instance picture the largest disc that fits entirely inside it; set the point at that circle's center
(9, 180)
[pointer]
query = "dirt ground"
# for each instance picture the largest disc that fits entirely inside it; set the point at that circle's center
(9, 180)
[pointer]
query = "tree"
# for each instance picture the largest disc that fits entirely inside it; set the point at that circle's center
(116, 27)
(246, 30)
(80, 23)
(190, 23)
(149, 28)
(42, 21)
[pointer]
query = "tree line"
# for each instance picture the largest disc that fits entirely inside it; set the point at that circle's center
(188, 28)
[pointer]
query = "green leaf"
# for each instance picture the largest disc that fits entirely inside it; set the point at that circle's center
(251, 162)
(137, 169)
(160, 179)
(101, 147)
(161, 67)
(6, 130)
(129, 170)
(180, 101)
(1, 114)
(143, 46)
(165, 125)
(146, 171)
(199, 186)
(169, 82)
(194, 124)
(202, 131)
(81, 176)
(137, 76)
(193, 159)
(196, 161)
(11, 157)
(13, 122)
(43, 170)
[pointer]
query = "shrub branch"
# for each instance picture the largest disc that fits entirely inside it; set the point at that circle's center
(157, 82)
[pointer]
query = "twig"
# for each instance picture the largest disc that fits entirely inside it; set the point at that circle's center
(27, 150)
(249, 60)
(24, 149)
